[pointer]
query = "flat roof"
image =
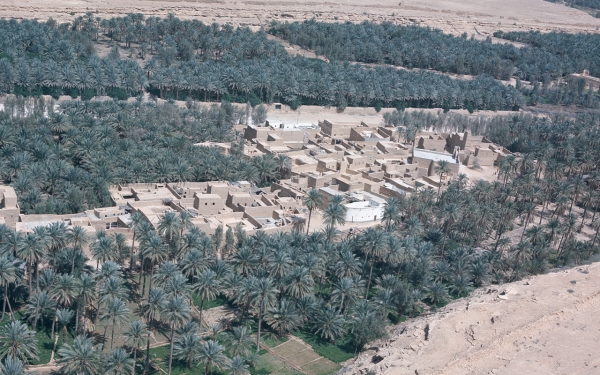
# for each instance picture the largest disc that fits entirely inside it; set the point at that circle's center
(433, 155)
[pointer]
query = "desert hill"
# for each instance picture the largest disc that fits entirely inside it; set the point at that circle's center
(541, 325)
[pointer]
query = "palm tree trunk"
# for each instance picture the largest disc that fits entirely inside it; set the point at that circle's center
(308, 225)
(77, 316)
(37, 301)
(260, 313)
(207, 367)
(104, 336)
(112, 335)
(73, 260)
(135, 350)
(151, 275)
(53, 325)
(4, 303)
(524, 228)
(444, 241)
(583, 216)
(97, 312)
(10, 310)
(141, 275)
(171, 349)
(30, 267)
(147, 363)
(201, 304)
(131, 252)
(370, 275)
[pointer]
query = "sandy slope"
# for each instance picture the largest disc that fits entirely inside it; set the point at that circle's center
(476, 17)
(543, 325)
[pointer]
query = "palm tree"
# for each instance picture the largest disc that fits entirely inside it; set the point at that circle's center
(136, 219)
(136, 335)
(299, 281)
(186, 347)
(78, 238)
(12, 366)
(18, 342)
(334, 214)
(119, 363)
(374, 245)
(263, 296)
(312, 201)
(442, 168)
(153, 249)
(283, 317)
(329, 323)
(193, 263)
(80, 358)
(437, 292)
(103, 250)
(117, 313)
(57, 235)
(168, 225)
(64, 317)
(31, 251)
(211, 353)
(40, 304)
(451, 213)
(237, 366)
(391, 214)
(151, 310)
(86, 295)
(240, 341)
(207, 285)
(8, 276)
(175, 312)
(345, 290)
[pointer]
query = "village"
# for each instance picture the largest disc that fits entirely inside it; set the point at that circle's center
(365, 163)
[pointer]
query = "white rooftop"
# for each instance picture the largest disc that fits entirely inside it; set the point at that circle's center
(433, 155)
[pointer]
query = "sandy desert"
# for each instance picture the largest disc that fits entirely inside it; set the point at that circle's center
(475, 17)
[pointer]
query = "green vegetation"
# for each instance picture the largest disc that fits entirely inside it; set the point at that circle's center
(339, 351)
(64, 163)
(191, 60)
(426, 48)
(106, 302)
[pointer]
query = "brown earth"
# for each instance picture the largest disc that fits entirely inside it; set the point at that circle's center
(542, 325)
(475, 17)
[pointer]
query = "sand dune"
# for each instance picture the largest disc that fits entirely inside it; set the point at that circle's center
(542, 325)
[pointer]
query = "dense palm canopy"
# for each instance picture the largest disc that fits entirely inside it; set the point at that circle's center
(426, 48)
(190, 59)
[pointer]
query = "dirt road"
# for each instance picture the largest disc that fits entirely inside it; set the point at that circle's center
(543, 325)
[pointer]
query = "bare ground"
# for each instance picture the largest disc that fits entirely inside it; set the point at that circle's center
(542, 325)
(475, 17)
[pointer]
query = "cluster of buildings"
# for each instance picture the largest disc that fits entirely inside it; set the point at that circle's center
(209, 204)
(364, 163)
(367, 163)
